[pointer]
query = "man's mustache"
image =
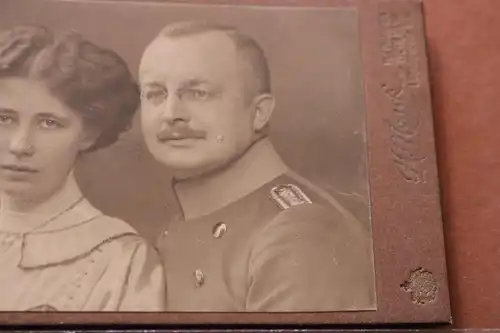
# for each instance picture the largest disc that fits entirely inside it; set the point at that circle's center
(180, 133)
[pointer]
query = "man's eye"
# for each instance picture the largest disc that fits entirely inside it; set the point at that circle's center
(154, 96)
(50, 124)
(197, 94)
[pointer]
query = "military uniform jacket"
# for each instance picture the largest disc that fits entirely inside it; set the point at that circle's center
(282, 246)
(82, 261)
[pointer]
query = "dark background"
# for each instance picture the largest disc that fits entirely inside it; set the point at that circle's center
(318, 125)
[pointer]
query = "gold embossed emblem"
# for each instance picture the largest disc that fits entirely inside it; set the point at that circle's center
(288, 195)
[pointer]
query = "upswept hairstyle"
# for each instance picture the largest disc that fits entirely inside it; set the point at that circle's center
(94, 81)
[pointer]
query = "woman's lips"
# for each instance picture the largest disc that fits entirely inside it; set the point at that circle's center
(19, 168)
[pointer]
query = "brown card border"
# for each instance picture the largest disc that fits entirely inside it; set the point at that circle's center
(406, 216)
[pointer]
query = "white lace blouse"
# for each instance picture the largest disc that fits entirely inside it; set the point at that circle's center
(81, 261)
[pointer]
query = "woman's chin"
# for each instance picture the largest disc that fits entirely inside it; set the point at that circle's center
(18, 189)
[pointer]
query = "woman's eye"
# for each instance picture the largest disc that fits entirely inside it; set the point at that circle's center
(6, 120)
(50, 123)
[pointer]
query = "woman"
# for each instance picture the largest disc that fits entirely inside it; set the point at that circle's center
(60, 97)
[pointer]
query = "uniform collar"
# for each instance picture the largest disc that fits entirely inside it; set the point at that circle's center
(73, 234)
(204, 195)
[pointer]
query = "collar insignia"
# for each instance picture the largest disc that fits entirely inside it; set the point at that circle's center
(286, 196)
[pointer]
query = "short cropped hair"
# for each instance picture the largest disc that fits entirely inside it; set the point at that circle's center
(94, 81)
(248, 47)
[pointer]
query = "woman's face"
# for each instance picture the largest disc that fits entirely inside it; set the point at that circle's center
(40, 138)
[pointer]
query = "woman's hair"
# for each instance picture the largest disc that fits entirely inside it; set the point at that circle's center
(91, 80)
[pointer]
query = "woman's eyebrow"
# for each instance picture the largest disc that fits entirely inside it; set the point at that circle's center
(52, 115)
(7, 110)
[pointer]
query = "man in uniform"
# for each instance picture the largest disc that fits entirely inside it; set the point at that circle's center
(253, 235)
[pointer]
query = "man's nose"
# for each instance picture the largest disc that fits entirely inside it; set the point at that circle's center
(174, 110)
(21, 143)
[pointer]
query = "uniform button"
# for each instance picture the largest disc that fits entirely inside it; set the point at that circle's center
(199, 277)
(219, 230)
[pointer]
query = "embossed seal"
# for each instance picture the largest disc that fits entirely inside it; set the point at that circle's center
(422, 285)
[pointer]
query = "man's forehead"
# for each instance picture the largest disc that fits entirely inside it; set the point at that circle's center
(207, 48)
(201, 56)
(160, 75)
(207, 40)
(152, 78)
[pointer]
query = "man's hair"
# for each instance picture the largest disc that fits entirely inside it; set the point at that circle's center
(247, 46)
(93, 81)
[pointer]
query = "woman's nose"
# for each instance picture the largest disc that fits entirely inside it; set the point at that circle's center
(21, 143)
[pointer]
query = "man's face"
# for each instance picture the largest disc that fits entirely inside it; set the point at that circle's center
(195, 112)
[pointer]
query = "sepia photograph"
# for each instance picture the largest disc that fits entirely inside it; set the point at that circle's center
(206, 159)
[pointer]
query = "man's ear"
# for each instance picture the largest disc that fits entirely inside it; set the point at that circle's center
(264, 107)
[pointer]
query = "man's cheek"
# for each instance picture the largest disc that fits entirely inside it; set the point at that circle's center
(148, 128)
